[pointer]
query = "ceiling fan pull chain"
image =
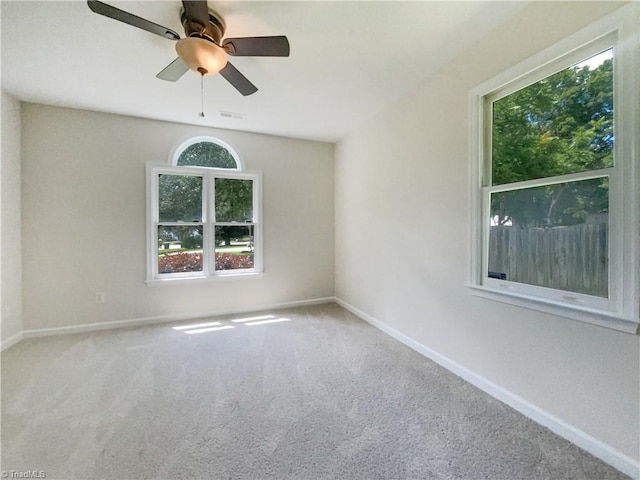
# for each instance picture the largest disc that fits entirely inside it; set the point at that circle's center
(202, 95)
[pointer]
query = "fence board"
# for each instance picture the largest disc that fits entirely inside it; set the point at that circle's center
(572, 258)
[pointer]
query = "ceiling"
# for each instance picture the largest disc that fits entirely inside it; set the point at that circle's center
(348, 59)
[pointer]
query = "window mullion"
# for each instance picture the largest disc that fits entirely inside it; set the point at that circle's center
(209, 244)
(152, 221)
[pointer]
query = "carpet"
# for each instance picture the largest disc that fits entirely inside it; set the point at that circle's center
(305, 393)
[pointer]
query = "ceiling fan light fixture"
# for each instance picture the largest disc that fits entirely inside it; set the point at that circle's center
(202, 56)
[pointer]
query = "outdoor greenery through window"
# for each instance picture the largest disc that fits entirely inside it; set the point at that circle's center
(552, 144)
(204, 219)
(559, 125)
(207, 154)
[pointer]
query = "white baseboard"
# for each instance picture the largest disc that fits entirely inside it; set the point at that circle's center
(91, 327)
(595, 447)
(11, 341)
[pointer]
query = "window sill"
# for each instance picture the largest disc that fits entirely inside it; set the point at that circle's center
(158, 282)
(583, 314)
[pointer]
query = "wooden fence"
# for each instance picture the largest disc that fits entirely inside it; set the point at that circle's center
(573, 258)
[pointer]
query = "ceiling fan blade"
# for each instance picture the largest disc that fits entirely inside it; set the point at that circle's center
(196, 11)
(257, 46)
(238, 80)
(173, 71)
(112, 12)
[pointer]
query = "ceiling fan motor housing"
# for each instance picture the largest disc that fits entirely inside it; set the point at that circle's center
(200, 50)
(215, 28)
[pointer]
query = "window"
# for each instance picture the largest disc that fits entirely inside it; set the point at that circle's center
(203, 221)
(554, 156)
(205, 152)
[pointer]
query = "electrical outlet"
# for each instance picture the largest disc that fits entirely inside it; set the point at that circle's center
(100, 297)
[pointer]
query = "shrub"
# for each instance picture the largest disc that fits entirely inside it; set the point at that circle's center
(191, 242)
(192, 262)
(227, 261)
(180, 262)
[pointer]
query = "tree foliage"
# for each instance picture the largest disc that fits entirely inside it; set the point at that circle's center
(180, 198)
(234, 200)
(207, 154)
(562, 124)
(234, 203)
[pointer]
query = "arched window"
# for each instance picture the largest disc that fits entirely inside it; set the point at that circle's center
(206, 152)
(203, 214)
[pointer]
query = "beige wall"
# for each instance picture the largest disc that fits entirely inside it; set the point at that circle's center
(402, 216)
(10, 226)
(84, 220)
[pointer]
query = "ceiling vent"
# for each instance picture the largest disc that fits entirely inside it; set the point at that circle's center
(235, 116)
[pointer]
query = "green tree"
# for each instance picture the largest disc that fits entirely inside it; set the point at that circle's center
(234, 203)
(234, 200)
(180, 198)
(562, 124)
(207, 154)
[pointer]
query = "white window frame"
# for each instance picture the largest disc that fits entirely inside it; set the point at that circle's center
(621, 311)
(208, 223)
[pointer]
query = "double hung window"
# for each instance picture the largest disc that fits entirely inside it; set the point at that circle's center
(554, 193)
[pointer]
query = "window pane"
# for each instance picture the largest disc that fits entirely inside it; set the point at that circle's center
(559, 125)
(179, 249)
(180, 198)
(207, 154)
(553, 236)
(234, 247)
(234, 200)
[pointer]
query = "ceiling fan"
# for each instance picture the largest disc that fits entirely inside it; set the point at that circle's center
(202, 50)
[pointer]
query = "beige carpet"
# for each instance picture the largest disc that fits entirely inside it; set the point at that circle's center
(308, 393)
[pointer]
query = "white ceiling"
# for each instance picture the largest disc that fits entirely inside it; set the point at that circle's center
(348, 59)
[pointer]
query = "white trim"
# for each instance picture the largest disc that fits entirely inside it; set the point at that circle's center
(136, 322)
(596, 447)
(631, 147)
(567, 310)
(233, 274)
(11, 341)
